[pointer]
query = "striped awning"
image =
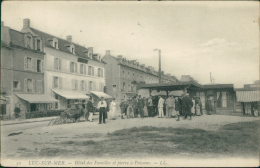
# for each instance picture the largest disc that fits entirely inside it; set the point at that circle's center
(248, 96)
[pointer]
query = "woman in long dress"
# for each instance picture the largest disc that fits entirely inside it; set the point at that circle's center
(193, 107)
(112, 111)
(130, 110)
(198, 110)
(145, 108)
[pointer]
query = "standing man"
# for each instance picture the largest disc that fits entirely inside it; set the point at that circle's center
(122, 107)
(160, 107)
(187, 104)
(150, 106)
(177, 108)
(90, 109)
(135, 102)
(140, 106)
(169, 106)
(200, 104)
(208, 106)
(102, 104)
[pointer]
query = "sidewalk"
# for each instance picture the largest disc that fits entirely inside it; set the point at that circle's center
(22, 121)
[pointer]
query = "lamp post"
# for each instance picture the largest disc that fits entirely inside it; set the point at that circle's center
(159, 51)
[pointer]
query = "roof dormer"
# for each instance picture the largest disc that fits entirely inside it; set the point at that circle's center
(55, 43)
(28, 40)
(90, 52)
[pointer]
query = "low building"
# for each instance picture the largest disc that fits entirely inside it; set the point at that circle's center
(248, 98)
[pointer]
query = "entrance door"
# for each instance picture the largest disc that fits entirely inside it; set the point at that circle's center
(212, 100)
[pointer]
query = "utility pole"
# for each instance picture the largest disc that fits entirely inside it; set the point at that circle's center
(210, 78)
(160, 77)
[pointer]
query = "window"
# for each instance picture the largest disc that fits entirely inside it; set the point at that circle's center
(100, 72)
(101, 87)
(57, 64)
(38, 43)
(123, 74)
(82, 69)
(123, 86)
(91, 70)
(29, 63)
(39, 86)
(57, 82)
(82, 85)
(73, 67)
(72, 50)
(29, 85)
(16, 85)
(90, 85)
(129, 87)
(29, 39)
(74, 84)
(221, 99)
(39, 66)
(55, 43)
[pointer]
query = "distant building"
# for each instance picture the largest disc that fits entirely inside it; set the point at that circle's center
(71, 70)
(22, 73)
(123, 76)
(186, 78)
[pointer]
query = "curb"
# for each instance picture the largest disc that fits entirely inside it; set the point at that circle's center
(26, 122)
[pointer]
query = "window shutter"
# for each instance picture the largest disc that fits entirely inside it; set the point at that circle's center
(25, 63)
(81, 85)
(76, 84)
(55, 64)
(35, 44)
(35, 65)
(76, 68)
(42, 69)
(92, 69)
(85, 69)
(60, 64)
(86, 85)
(32, 64)
(33, 86)
(41, 45)
(60, 82)
(25, 85)
(72, 84)
(53, 81)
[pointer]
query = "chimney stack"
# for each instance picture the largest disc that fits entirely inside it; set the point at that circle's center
(107, 52)
(2, 23)
(69, 38)
(26, 23)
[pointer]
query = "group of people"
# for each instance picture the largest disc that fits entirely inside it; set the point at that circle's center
(147, 107)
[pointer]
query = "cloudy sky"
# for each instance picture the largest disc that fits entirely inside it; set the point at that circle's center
(195, 38)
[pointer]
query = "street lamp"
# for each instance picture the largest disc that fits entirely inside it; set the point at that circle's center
(159, 51)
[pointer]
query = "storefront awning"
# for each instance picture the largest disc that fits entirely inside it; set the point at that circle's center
(248, 96)
(101, 94)
(35, 98)
(69, 94)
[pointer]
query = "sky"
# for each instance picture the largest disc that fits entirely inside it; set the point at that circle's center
(195, 38)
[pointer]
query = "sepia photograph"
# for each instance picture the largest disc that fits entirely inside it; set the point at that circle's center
(130, 84)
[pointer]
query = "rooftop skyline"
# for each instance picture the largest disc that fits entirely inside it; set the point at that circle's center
(195, 38)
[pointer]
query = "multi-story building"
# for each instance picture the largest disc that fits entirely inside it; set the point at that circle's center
(71, 70)
(123, 76)
(22, 73)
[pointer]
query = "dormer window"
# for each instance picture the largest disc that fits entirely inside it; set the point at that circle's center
(55, 43)
(29, 41)
(38, 44)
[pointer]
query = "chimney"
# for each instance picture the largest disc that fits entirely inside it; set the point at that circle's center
(107, 52)
(26, 23)
(69, 38)
(2, 23)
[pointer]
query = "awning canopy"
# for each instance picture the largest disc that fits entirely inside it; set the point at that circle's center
(101, 94)
(69, 94)
(36, 98)
(163, 93)
(172, 86)
(248, 96)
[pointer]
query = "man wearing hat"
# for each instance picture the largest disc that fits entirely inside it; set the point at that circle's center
(102, 104)
(187, 104)
(122, 107)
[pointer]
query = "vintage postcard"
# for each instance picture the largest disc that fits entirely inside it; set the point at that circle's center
(129, 84)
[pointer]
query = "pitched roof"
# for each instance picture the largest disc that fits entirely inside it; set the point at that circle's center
(17, 38)
(79, 50)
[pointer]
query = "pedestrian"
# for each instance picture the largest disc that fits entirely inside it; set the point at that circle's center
(112, 111)
(145, 109)
(86, 113)
(193, 107)
(197, 106)
(150, 107)
(130, 110)
(200, 105)
(107, 109)
(102, 110)
(135, 108)
(177, 108)
(169, 106)
(187, 104)
(90, 109)
(160, 107)
(140, 106)
(122, 107)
